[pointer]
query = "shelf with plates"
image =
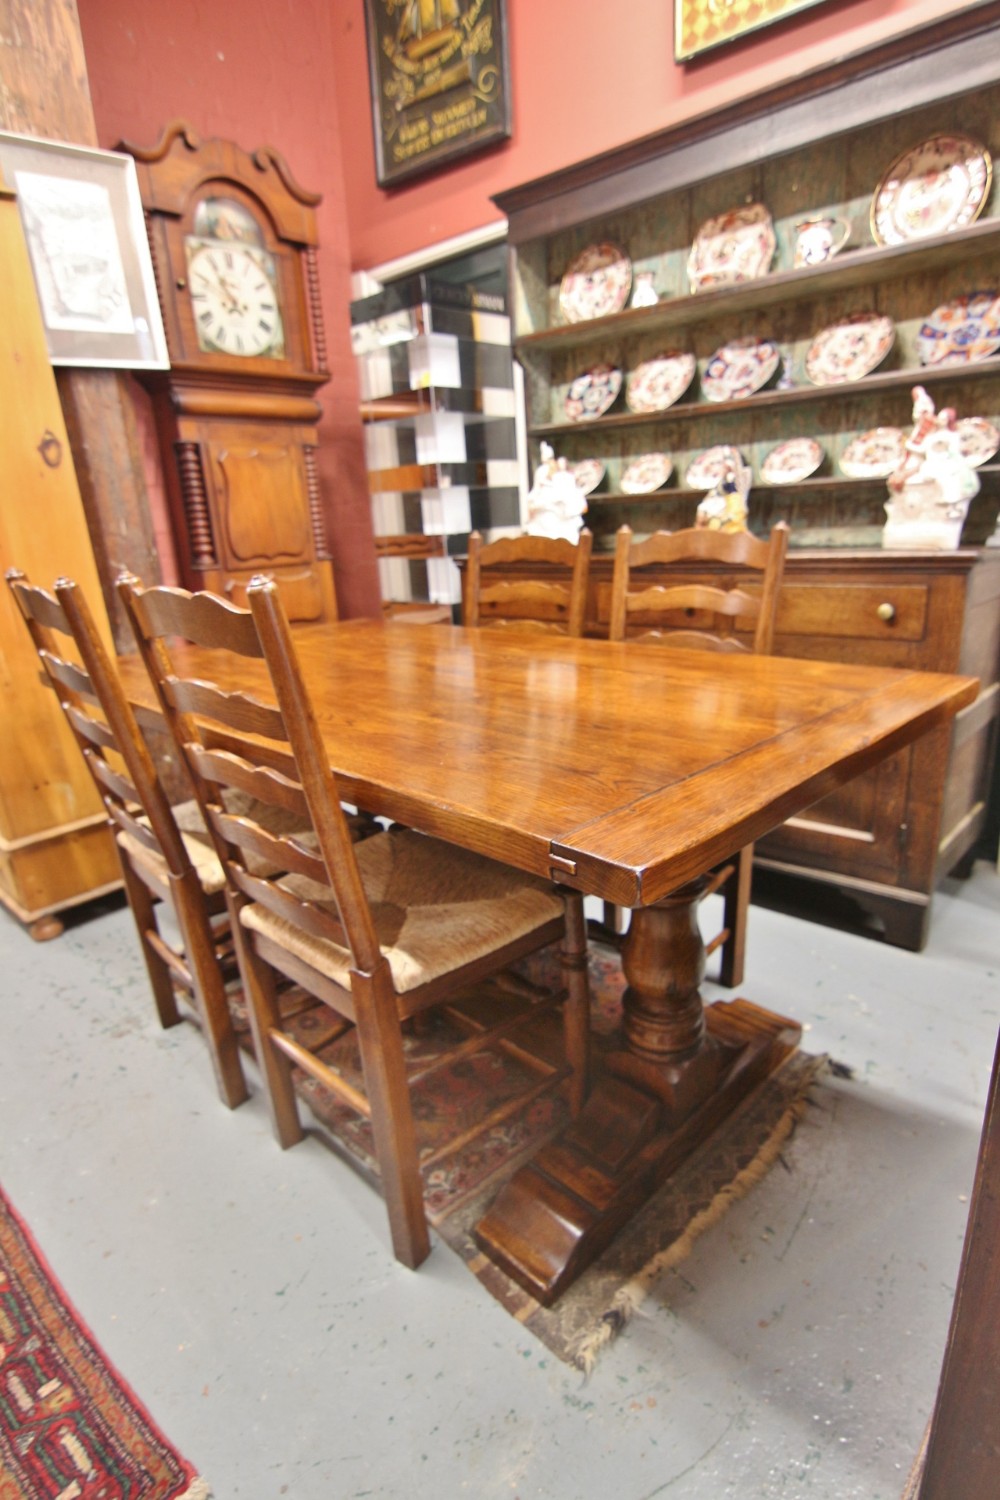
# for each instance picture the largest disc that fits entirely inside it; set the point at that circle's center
(826, 154)
(767, 400)
(866, 266)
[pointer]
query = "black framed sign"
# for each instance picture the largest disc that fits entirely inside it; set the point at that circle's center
(438, 82)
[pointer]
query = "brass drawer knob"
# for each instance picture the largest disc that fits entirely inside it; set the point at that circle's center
(886, 612)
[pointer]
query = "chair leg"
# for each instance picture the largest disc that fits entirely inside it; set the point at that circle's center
(576, 1011)
(209, 989)
(736, 905)
(381, 1044)
(143, 908)
(261, 995)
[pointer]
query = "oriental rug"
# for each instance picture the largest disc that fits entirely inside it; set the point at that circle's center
(458, 1188)
(70, 1428)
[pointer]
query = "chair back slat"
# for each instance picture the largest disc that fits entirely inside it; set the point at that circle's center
(87, 727)
(202, 618)
(69, 675)
(664, 607)
(198, 712)
(659, 600)
(556, 601)
(260, 782)
(121, 786)
(238, 711)
(277, 852)
(305, 916)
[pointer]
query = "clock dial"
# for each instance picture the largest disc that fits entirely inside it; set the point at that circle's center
(234, 299)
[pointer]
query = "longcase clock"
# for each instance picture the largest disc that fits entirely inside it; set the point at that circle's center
(234, 242)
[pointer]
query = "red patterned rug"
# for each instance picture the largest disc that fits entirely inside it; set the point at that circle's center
(70, 1428)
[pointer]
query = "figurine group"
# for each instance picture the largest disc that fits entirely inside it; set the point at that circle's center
(556, 503)
(930, 489)
(725, 507)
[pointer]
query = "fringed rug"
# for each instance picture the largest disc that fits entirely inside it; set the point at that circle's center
(70, 1428)
(459, 1188)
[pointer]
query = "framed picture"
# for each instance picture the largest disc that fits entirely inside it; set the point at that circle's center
(701, 24)
(86, 235)
(438, 82)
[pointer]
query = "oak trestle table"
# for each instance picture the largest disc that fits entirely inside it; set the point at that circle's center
(625, 771)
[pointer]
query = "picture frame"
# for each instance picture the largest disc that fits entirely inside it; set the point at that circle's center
(86, 235)
(439, 80)
(701, 25)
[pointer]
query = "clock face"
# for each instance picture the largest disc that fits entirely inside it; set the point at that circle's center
(233, 290)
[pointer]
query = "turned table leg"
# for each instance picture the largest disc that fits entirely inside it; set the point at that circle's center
(678, 1071)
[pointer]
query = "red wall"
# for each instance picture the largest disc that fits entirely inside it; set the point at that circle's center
(244, 71)
(585, 76)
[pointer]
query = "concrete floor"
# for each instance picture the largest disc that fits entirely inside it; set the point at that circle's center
(250, 1298)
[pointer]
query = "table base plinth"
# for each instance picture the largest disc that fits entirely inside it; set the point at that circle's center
(642, 1120)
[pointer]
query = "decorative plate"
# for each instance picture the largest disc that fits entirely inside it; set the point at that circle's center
(588, 474)
(978, 439)
(734, 246)
(961, 332)
(711, 465)
(646, 473)
(657, 383)
(939, 185)
(874, 454)
(792, 461)
(597, 282)
(739, 368)
(593, 392)
(850, 349)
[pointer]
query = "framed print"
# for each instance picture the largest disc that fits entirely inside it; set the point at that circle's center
(86, 236)
(701, 24)
(438, 82)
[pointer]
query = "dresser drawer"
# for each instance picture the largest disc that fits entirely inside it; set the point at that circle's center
(893, 612)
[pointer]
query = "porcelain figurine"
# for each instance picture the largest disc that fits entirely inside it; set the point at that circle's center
(930, 489)
(725, 508)
(556, 503)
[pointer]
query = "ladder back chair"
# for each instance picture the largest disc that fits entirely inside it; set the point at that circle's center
(163, 867)
(555, 600)
(377, 932)
(709, 616)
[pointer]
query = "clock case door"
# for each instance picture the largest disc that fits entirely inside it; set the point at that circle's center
(237, 434)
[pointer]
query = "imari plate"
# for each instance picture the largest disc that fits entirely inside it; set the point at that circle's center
(739, 368)
(735, 246)
(961, 332)
(597, 282)
(792, 461)
(937, 186)
(850, 349)
(977, 439)
(711, 465)
(657, 383)
(873, 454)
(646, 473)
(588, 474)
(593, 392)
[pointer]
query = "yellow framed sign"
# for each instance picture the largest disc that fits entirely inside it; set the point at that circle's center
(702, 24)
(438, 72)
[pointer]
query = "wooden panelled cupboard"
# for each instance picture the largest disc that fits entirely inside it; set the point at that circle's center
(55, 846)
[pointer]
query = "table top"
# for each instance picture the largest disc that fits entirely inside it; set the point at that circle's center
(620, 769)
